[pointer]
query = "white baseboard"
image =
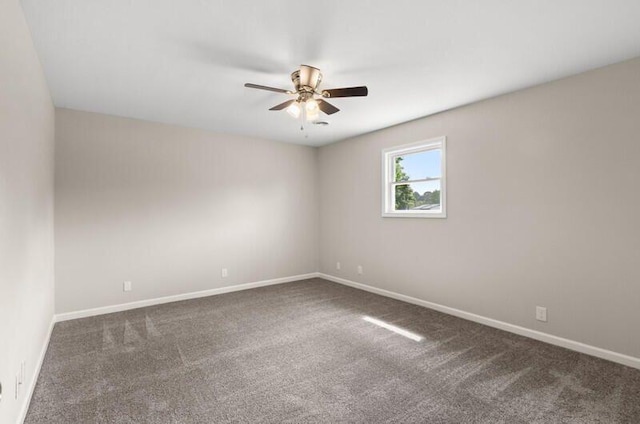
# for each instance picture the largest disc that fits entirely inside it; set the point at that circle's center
(34, 378)
(174, 298)
(533, 334)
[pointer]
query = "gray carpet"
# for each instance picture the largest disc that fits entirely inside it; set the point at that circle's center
(302, 352)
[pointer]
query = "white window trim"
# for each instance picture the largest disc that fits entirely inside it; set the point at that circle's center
(388, 176)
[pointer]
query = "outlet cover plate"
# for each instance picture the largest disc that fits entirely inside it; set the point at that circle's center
(541, 313)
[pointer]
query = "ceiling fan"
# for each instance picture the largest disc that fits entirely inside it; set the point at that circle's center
(309, 99)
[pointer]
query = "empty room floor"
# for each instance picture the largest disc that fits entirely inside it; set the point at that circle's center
(316, 351)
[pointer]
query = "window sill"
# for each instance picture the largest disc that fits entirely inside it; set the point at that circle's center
(414, 215)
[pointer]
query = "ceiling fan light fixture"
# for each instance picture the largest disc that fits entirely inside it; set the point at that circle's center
(294, 109)
(306, 106)
(312, 110)
(312, 106)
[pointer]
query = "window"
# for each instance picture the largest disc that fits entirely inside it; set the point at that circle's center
(414, 180)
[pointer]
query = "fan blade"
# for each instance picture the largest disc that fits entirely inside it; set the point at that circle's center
(346, 92)
(327, 107)
(264, 87)
(283, 105)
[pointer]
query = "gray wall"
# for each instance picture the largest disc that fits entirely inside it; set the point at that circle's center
(168, 207)
(543, 209)
(26, 207)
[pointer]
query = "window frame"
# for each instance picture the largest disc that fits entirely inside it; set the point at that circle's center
(388, 177)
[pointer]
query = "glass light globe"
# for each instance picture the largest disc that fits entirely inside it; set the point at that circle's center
(294, 109)
(312, 109)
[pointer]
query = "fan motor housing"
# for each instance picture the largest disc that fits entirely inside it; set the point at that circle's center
(306, 79)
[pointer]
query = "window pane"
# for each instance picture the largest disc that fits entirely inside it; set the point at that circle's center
(423, 196)
(417, 166)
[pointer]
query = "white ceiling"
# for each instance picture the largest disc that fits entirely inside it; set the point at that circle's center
(185, 62)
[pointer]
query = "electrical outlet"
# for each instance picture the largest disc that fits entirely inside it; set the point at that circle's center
(224, 273)
(360, 269)
(541, 313)
(126, 286)
(338, 266)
